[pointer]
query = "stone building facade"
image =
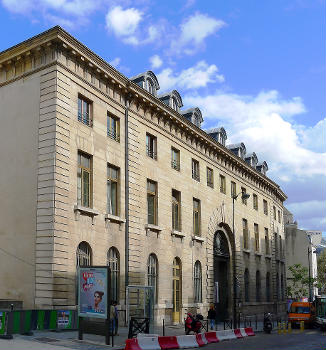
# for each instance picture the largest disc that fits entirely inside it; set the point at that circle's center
(100, 169)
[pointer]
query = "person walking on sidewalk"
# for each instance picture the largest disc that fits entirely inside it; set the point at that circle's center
(212, 316)
(116, 318)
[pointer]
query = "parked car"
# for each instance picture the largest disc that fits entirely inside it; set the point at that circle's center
(302, 311)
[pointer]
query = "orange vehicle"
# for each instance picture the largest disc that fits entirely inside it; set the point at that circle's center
(302, 311)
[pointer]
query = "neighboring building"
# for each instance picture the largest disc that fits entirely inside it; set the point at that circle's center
(99, 169)
(300, 248)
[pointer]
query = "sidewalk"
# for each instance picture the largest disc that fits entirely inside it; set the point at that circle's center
(64, 340)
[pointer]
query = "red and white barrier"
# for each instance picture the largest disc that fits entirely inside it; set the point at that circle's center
(154, 342)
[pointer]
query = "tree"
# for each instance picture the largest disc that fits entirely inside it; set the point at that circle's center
(298, 286)
(321, 273)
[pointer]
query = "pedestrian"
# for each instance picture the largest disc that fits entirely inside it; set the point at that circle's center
(212, 316)
(116, 318)
(112, 319)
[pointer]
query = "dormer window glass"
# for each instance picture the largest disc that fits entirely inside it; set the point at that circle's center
(150, 87)
(174, 104)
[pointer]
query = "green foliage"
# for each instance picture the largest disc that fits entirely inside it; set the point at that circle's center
(321, 273)
(298, 287)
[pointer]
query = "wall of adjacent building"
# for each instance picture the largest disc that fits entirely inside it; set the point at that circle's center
(19, 116)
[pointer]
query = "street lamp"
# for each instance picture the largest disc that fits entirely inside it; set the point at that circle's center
(244, 196)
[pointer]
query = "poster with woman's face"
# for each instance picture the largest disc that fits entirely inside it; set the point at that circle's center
(92, 300)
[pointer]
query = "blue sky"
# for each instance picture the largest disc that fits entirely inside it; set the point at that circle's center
(255, 67)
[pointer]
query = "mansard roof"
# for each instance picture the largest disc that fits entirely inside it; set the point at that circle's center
(170, 94)
(262, 165)
(146, 75)
(220, 130)
(239, 145)
(191, 112)
(253, 156)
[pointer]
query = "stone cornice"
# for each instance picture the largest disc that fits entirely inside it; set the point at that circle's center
(61, 40)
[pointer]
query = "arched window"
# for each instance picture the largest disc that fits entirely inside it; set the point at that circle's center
(268, 286)
(247, 285)
(113, 261)
(277, 286)
(152, 274)
(177, 290)
(258, 286)
(282, 287)
(198, 282)
(83, 254)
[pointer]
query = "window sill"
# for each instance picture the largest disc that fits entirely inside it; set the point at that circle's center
(80, 210)
(246, 251)
(258, 254)
(198, 239)
(154, 228)
(178, 234)
(268, 256)
(113, 218)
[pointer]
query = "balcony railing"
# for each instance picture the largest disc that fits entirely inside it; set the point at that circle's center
(175, 165)
(151, 153)
(210, 183)
(113, 135)
(85, 118)
(195, 175)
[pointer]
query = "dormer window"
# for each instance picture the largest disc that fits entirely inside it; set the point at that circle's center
(147, 81)
(150, 87)
(239, 149)
(174, 104)
(194, 115)
(218, 134)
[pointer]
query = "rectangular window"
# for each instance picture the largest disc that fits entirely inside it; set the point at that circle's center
(222, 184)
(195, 169)
(245, 234)
(244, 200)
(113, 127)
(256, 231)
(210, 177)
(176, 206)
(151, 202)
(274, 212)
(267, 249)
(255, 201)
(233, 189)
(276, 244)
(279, 216)
(265, 207)
(112, 190)
(84, 180)
(281, 248)
(85, 111)
(151, 146)
(175, 159)
(196, 216)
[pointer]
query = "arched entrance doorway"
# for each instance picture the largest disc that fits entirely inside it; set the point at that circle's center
(221, 275)
(177, 288)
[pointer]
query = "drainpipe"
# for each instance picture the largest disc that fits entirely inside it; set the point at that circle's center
(127, 104)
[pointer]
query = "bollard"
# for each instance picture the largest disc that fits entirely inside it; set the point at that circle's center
(301, 326)
(289, 328)
(284, 327)
(163, 326)
(279, 327)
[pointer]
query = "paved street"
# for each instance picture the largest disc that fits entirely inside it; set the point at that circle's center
(309, 340)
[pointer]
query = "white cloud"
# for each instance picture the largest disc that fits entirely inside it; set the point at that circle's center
(191, 78)
(260, 122)
(67, 13)
(115, 62)
(155, 61)
(314, 137)
(193, 32)
(123, 23)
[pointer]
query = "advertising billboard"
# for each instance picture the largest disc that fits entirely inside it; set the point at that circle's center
(93, 292)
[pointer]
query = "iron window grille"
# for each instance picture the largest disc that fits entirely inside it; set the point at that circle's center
(195, 170)
(84, 111)
(151, 146)
(198, 282)
(175, 159)
(113, 261)
(113, 128)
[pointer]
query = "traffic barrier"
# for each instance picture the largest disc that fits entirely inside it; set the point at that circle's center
(249, 331)
(154, 342)
(201, 339)
(211, 337)
(237, 333)
(243, 332)
(226, 335)
(301, 326)
(187, 341)
(168, 342)
(289, 328)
